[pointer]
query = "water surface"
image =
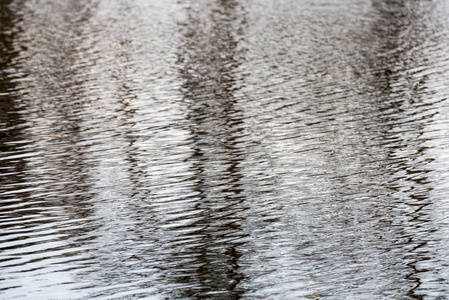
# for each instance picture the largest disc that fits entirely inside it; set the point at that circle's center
(224, 149)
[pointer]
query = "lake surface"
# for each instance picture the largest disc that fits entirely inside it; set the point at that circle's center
(175, 149)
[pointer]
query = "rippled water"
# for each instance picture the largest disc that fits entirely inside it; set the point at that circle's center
(224, 149)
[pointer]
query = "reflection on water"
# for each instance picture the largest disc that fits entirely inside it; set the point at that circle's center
(207, 60)
(224, 149)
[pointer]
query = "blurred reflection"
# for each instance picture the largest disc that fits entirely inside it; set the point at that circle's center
(400, 93)
(208, 58)
(11, 123)
(52, 90)
(54, 183)
(201, 149)
(377, 161)
(347, 115)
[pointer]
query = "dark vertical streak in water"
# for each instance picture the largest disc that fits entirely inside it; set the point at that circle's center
(400, 94)
(11, 123)
(50, 197)
(54, 94)
(207, 59)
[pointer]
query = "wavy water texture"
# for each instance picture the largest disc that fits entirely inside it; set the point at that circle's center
(224, 149)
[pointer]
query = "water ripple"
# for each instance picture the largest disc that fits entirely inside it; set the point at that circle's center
(224, 149)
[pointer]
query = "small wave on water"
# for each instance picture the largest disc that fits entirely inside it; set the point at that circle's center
(224, 149)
